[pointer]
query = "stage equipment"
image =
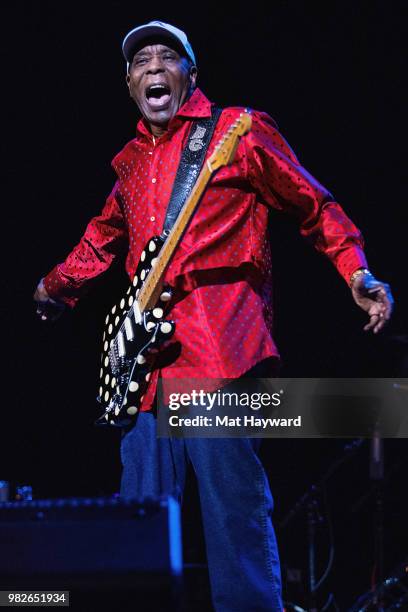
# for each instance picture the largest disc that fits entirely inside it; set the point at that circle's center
(308, 504)
(392, 593)
(95, 543)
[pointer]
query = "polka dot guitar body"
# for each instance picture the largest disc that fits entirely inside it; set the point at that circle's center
(136, 325)
(128, 339)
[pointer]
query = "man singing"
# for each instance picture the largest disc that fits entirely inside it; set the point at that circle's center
(221, 281)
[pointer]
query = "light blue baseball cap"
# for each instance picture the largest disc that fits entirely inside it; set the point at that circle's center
(154, 28)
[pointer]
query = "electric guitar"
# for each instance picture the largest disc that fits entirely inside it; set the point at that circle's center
(136, 327)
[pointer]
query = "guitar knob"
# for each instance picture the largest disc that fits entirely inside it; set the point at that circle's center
(165, 296)
(166, 327)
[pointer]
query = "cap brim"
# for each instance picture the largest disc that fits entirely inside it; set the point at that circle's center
(136, 37)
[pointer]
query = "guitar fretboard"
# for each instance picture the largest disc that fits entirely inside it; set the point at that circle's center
(148, 291)
(223, 154)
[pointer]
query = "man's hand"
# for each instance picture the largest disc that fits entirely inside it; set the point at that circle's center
(47, 308)
(374, 297)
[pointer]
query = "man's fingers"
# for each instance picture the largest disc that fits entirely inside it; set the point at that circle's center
(384, 299)
(377, 321)
(386, 310)
(377, 289)
(48, 311)
(379, 326)
(374, 320)
(376, 299)
(42, 314)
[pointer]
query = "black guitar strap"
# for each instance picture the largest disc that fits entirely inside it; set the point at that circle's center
(191, 162)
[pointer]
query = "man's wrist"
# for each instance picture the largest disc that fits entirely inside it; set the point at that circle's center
(356, 274)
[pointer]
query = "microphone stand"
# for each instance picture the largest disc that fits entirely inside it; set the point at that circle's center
(308, 502)
(313, 519)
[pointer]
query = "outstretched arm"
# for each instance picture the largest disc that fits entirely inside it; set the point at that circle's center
(104, 238)
(284, 184)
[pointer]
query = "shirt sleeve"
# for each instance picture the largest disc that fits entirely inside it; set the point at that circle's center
(104, 239)
(280, 180)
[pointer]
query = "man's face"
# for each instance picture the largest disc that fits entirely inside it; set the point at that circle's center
(159, 81)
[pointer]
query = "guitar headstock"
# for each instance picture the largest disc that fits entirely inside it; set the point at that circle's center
(224, 151)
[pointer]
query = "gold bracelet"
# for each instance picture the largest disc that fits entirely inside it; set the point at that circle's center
(358, 272)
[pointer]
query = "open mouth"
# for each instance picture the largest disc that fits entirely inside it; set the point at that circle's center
(158, 95)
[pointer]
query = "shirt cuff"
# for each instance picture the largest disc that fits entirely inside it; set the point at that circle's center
(58, 288)
(349, 261)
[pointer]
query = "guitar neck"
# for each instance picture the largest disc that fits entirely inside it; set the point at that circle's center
(152, 285)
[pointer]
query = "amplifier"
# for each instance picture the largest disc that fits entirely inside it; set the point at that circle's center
(95, 542)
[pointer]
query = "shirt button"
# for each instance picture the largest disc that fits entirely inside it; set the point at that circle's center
(152, 218)
(154, 180)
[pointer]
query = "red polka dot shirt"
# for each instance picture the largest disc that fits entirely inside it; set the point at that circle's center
(221, 272)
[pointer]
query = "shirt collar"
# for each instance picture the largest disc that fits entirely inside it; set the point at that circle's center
(196, 106)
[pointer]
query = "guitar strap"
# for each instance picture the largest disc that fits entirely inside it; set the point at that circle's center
(191, 162)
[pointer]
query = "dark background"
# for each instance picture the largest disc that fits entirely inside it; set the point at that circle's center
(331, 77)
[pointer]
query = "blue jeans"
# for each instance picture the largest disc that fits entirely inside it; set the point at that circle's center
(236, 505)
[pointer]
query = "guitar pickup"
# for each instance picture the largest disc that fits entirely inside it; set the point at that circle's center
(114, 359)
(129, 330)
